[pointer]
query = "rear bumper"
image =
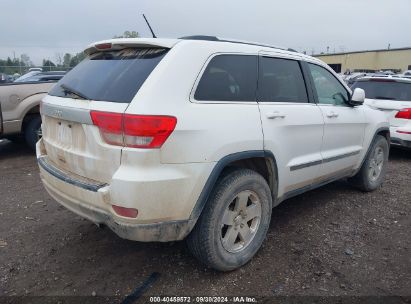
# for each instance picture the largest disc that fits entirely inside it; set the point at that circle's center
(400, 142)
(400, 139)
(93, 201)
(155, 232)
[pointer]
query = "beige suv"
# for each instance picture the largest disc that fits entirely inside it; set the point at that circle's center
(19, 109)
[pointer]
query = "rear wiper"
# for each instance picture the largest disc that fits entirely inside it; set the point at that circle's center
(385, 98)
(69, 90)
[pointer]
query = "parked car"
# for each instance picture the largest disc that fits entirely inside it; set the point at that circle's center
(19, 102)
(350, 79)
(406, 74)
(392, 96)
(199, 138)
(4, 78)
(30, 73)
(42, 76)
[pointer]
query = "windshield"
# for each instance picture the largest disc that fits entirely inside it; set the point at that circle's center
(389, 90)
(114, 76)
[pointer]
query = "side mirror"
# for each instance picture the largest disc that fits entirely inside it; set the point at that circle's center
(357, 97)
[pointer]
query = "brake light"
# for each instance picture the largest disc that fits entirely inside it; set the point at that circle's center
(146, 131)
(103, 46)
(404, 114)
(135, 131)
(403, 132)
(126, 212)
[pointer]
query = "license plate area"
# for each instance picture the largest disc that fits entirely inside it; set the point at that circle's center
(64, 132)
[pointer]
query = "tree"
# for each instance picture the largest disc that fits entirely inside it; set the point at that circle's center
(76, 59)
(66, 60)
(59, 59)
(48, 64)
(128, 34)
(25, 60)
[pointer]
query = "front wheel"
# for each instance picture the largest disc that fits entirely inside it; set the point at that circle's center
(234, 222)
(373, 170)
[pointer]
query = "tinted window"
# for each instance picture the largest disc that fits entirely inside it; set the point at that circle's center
(111, 76)
(329, 89)
(385, 89)
(229, 78)
(281, 80)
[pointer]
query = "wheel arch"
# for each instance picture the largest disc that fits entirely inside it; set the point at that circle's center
(29, 107)
(383, 131)
(263, 162)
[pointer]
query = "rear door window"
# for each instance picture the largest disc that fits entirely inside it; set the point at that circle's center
(385, 89)
(229, 78)
(280, 80)
(114, 76)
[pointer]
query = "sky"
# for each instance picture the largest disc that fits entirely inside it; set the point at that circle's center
(46, 28)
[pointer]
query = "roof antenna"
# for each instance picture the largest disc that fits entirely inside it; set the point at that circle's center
(148, 24)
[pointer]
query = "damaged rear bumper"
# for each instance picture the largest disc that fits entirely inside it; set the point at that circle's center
(91, 200)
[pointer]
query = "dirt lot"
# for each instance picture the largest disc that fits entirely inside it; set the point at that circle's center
(331, 241)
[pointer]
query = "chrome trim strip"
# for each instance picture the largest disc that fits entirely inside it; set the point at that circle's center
(306, 165)
(325, 160)
(330, 159)
(66, 113)
(68, 179)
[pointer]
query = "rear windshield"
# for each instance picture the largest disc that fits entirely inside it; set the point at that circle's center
(110, 76)
(384, 89)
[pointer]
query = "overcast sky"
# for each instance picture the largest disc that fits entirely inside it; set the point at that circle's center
(43, 28)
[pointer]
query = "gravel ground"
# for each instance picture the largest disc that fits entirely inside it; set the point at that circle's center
(333, 241)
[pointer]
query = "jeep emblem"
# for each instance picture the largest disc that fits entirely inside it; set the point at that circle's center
(58, 113)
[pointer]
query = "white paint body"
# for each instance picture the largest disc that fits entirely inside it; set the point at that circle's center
(400, 129)
(165, 184)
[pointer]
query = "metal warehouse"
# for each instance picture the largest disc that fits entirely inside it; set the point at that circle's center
(397, 60)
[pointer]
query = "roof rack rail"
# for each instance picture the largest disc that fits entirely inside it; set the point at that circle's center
(214, 38)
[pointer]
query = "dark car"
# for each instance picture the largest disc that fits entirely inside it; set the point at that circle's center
(44, 76)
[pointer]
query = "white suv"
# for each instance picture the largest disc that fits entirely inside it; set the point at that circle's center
(392, 95)
(200, 138)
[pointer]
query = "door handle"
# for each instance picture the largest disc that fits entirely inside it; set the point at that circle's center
(273, 115)
(331, 114)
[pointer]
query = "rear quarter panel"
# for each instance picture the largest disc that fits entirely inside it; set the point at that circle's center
(205, 131)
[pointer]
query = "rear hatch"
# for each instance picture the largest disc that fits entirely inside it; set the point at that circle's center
(105, 82)
(389, 95)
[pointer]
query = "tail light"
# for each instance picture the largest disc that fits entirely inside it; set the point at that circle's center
(404, 114)
(136, 131)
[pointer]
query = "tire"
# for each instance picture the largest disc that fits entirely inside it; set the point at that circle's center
(235, 200)
(31, 131)
(371, 174)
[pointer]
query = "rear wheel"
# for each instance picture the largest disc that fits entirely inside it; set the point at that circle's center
(234, 222)
(373, 170)
(32, 131)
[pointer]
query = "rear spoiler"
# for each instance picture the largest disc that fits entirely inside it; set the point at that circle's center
(121, 43)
